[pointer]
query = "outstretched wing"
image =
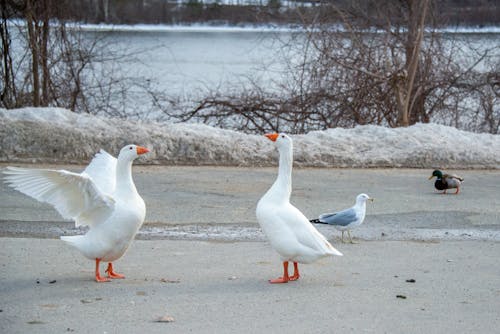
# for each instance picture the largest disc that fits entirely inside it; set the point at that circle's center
(342, 218)
(73, 195)
(102, 170)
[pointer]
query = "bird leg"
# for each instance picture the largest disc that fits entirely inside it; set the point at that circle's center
(444, 192)
(296, 274)
(111, 273)
(285, 277)
(458, 190)
(350, 238)
(342, 239)
(98, 276)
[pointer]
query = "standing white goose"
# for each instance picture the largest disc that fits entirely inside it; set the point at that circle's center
(103, 196)
(288, 230)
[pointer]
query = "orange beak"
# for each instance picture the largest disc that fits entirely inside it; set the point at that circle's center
(141, 150)
(272, 136)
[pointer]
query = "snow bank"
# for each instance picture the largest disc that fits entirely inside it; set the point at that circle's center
(51, 135)
(239, 28)
(264, 28)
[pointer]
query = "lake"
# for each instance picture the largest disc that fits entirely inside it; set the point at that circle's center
(188, 62)
(184, 63)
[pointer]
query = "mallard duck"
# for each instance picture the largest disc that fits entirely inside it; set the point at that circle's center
(347, 219)
(102, 197)
(446, 181)
(288, 230)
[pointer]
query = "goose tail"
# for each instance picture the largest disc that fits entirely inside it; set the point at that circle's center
(74, 240)
(333, 251)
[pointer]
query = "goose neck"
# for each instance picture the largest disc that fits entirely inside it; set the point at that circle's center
(124, 182)
(283, 184)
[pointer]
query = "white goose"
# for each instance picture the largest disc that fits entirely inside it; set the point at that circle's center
(288, 230)
(103, 197)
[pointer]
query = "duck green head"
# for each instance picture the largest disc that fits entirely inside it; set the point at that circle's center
(437, 173)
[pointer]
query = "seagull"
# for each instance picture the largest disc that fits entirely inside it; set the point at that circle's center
(347, 219)
(446, 181)
(288, 230)
(103, 197)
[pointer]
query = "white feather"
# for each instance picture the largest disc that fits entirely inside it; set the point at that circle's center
(102, 169)
(288, 230)
(74, 196)
(103, 196)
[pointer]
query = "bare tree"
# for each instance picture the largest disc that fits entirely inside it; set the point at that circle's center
(8, 92)
(355, 62)
(404, 88)
(60, 66)
(382, 65)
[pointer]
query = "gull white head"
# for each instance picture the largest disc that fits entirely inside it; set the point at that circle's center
(362, 198)
(131, 152)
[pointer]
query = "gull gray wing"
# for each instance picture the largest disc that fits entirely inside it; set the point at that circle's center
(342, 218)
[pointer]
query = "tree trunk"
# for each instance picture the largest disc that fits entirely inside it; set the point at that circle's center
(416, 29)
(105, 5)
(44, 53)
(8, 95)
(32, 37)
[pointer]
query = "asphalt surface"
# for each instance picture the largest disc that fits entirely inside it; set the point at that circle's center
(218, 203)
(425, 262)
(210, 287)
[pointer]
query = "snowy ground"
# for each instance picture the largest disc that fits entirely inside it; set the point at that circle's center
(51, 135)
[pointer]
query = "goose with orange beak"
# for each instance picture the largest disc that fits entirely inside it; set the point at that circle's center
(103, 197)
(289, 232)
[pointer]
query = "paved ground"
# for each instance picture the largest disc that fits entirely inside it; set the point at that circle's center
(212, 281)
(210, 287)
(219, 203)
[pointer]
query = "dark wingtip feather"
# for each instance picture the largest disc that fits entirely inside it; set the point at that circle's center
(316, 221)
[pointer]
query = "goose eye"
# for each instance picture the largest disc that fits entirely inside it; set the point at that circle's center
(130, 148)
(282, 136)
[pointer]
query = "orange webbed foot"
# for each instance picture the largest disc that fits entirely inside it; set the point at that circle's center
(279, 280)
(285, 277)
(98, 277)
(115, 275)
(101, 279)
(112, 274)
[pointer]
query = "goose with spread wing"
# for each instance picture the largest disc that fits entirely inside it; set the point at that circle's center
(103, 197)
(287, 229)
